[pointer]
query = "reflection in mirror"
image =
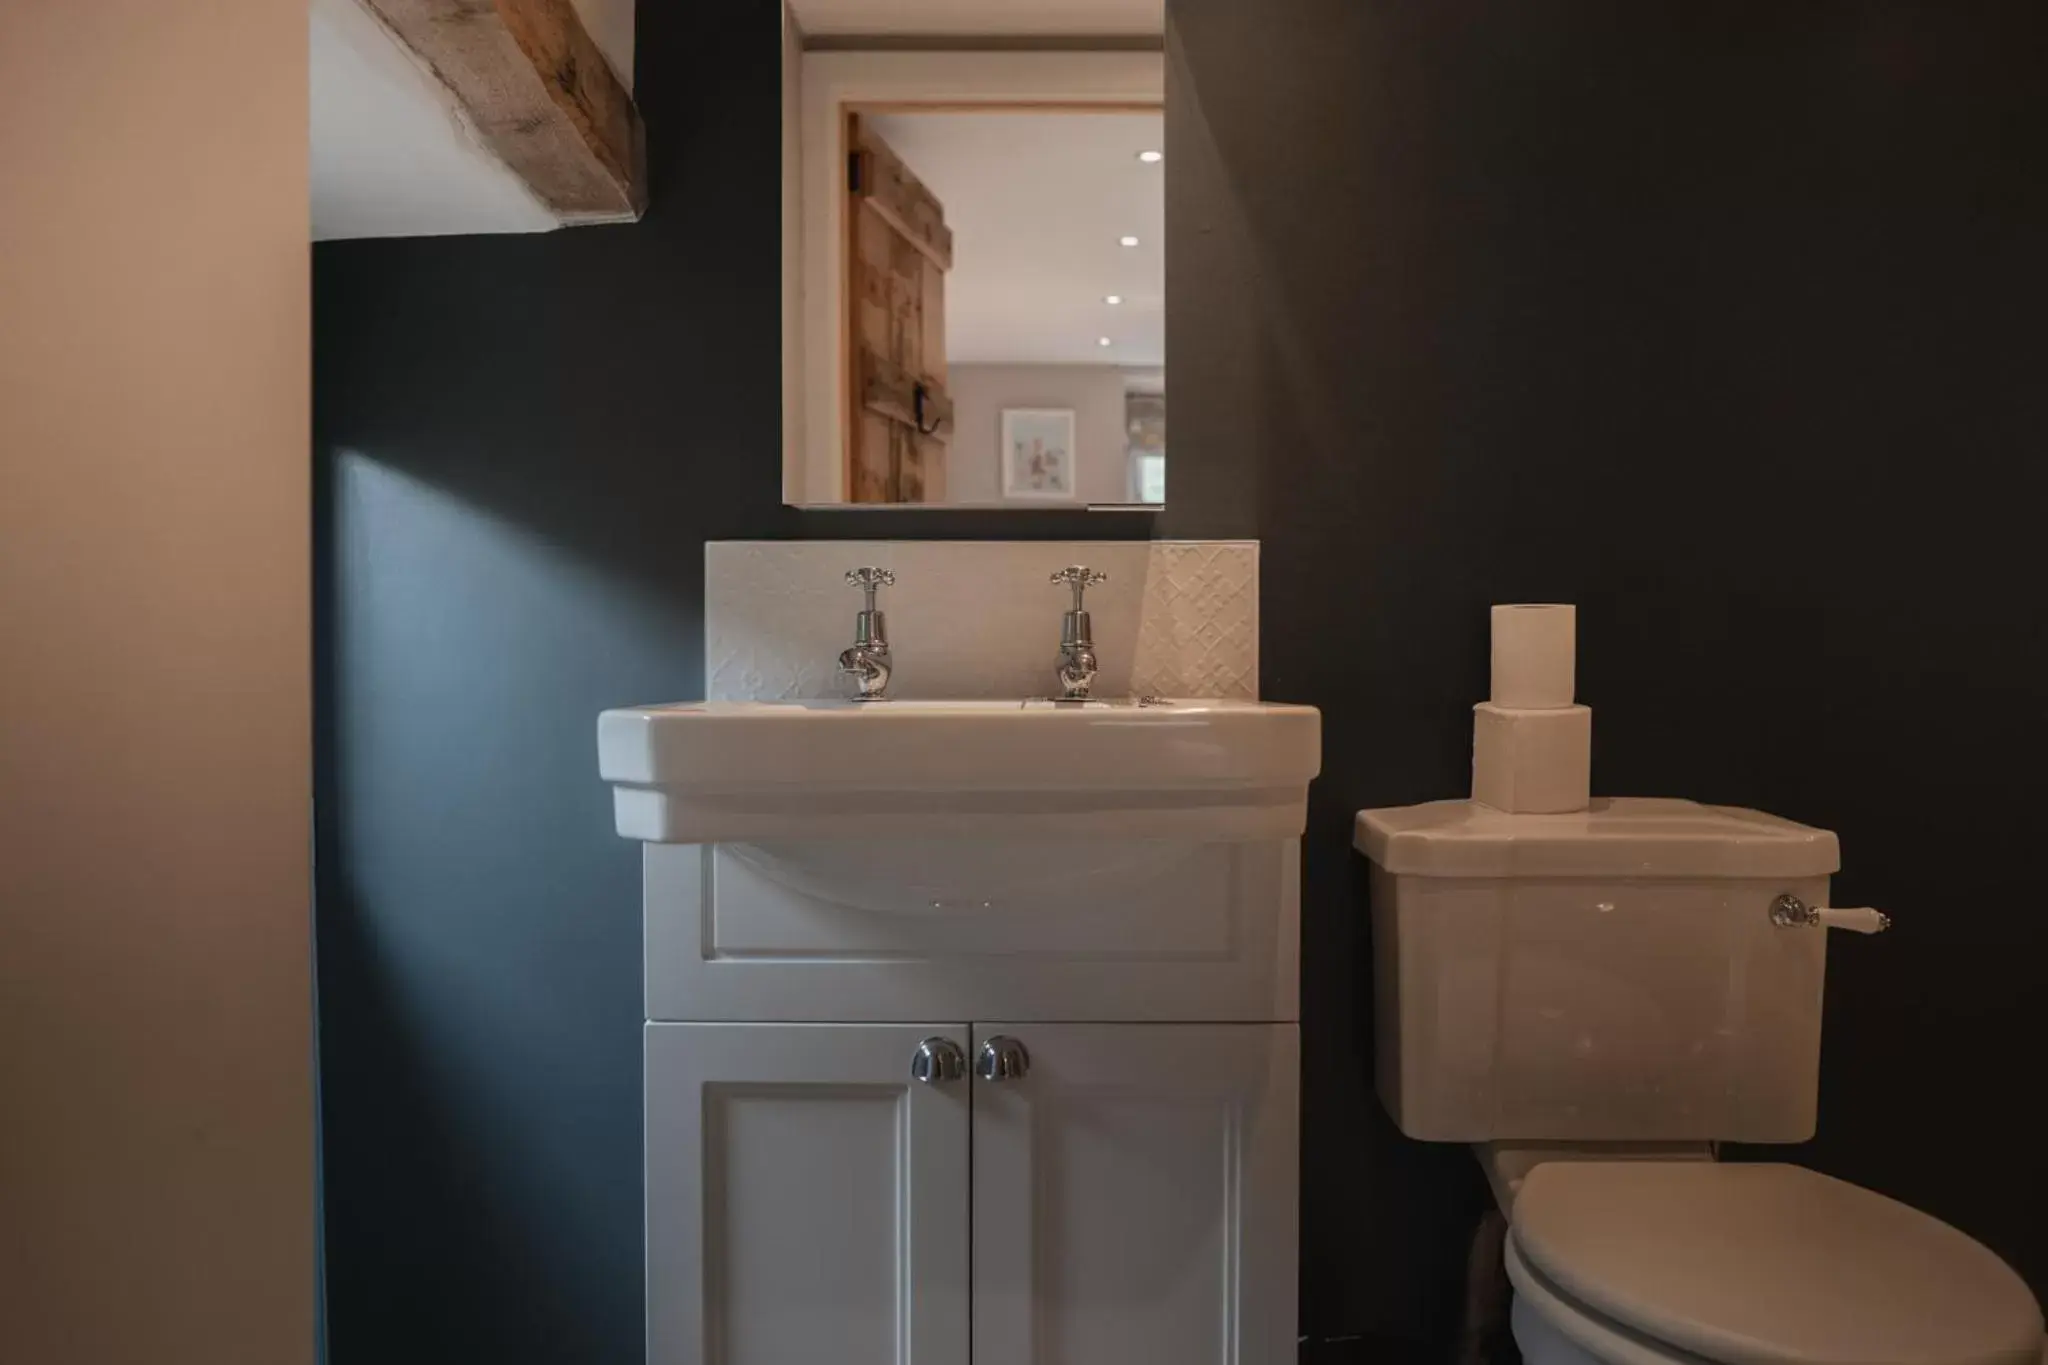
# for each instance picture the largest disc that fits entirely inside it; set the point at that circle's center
(977, 272)
(1036, 326)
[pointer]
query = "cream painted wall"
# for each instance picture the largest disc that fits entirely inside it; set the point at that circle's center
(981, 392)
(156, 1193)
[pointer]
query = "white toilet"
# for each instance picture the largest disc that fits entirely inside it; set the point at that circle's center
(1596, 998)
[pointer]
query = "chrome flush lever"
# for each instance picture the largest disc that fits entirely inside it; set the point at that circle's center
(1790, 912)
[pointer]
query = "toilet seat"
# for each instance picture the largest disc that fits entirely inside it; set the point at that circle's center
(1644, 1263)
(1540, 1310)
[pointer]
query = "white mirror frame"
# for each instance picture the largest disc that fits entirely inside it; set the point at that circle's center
(817, 87)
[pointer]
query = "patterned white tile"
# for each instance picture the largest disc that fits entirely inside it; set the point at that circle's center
(981, 618)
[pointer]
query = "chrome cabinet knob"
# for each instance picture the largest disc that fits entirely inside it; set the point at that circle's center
(1002, 1059)
(938, 1061)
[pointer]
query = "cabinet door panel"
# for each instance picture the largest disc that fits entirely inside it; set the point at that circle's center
(806, 1199)
(1134, 1196)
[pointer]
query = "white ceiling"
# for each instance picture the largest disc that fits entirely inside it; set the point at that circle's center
(1014, 18)
(389, 155)
(1037, 202)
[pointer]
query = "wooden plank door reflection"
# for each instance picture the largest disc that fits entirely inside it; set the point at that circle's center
(899, 249)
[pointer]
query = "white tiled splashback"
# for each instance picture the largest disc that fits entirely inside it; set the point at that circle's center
(981, 618)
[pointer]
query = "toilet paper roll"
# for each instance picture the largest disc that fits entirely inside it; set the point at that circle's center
(1532, 761)
(1535, 655)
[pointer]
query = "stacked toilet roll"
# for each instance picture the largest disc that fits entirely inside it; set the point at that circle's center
(1532, 744)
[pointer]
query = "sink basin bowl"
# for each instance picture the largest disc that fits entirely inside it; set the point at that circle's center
(716, 772)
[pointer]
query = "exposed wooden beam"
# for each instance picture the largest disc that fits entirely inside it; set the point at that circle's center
(539, 95)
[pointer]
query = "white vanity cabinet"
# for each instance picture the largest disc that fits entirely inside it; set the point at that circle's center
(847, 906)
(1129, 1196)
(1122, 1190)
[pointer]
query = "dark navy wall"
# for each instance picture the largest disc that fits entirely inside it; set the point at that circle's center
(522, 444)
(1721, 321)
(1725, 322)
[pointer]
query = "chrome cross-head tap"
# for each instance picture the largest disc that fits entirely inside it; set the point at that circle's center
(1077, 665)
(868, 580)
(867, 661)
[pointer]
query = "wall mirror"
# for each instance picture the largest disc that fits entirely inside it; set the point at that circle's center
(974, 277)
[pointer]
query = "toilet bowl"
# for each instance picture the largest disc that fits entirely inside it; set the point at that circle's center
(1683, 1262)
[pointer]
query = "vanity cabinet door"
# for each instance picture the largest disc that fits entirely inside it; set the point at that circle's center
(807, 1198)
(1134, 1194)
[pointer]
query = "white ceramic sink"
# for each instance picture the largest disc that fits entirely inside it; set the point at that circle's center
(716, 772)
